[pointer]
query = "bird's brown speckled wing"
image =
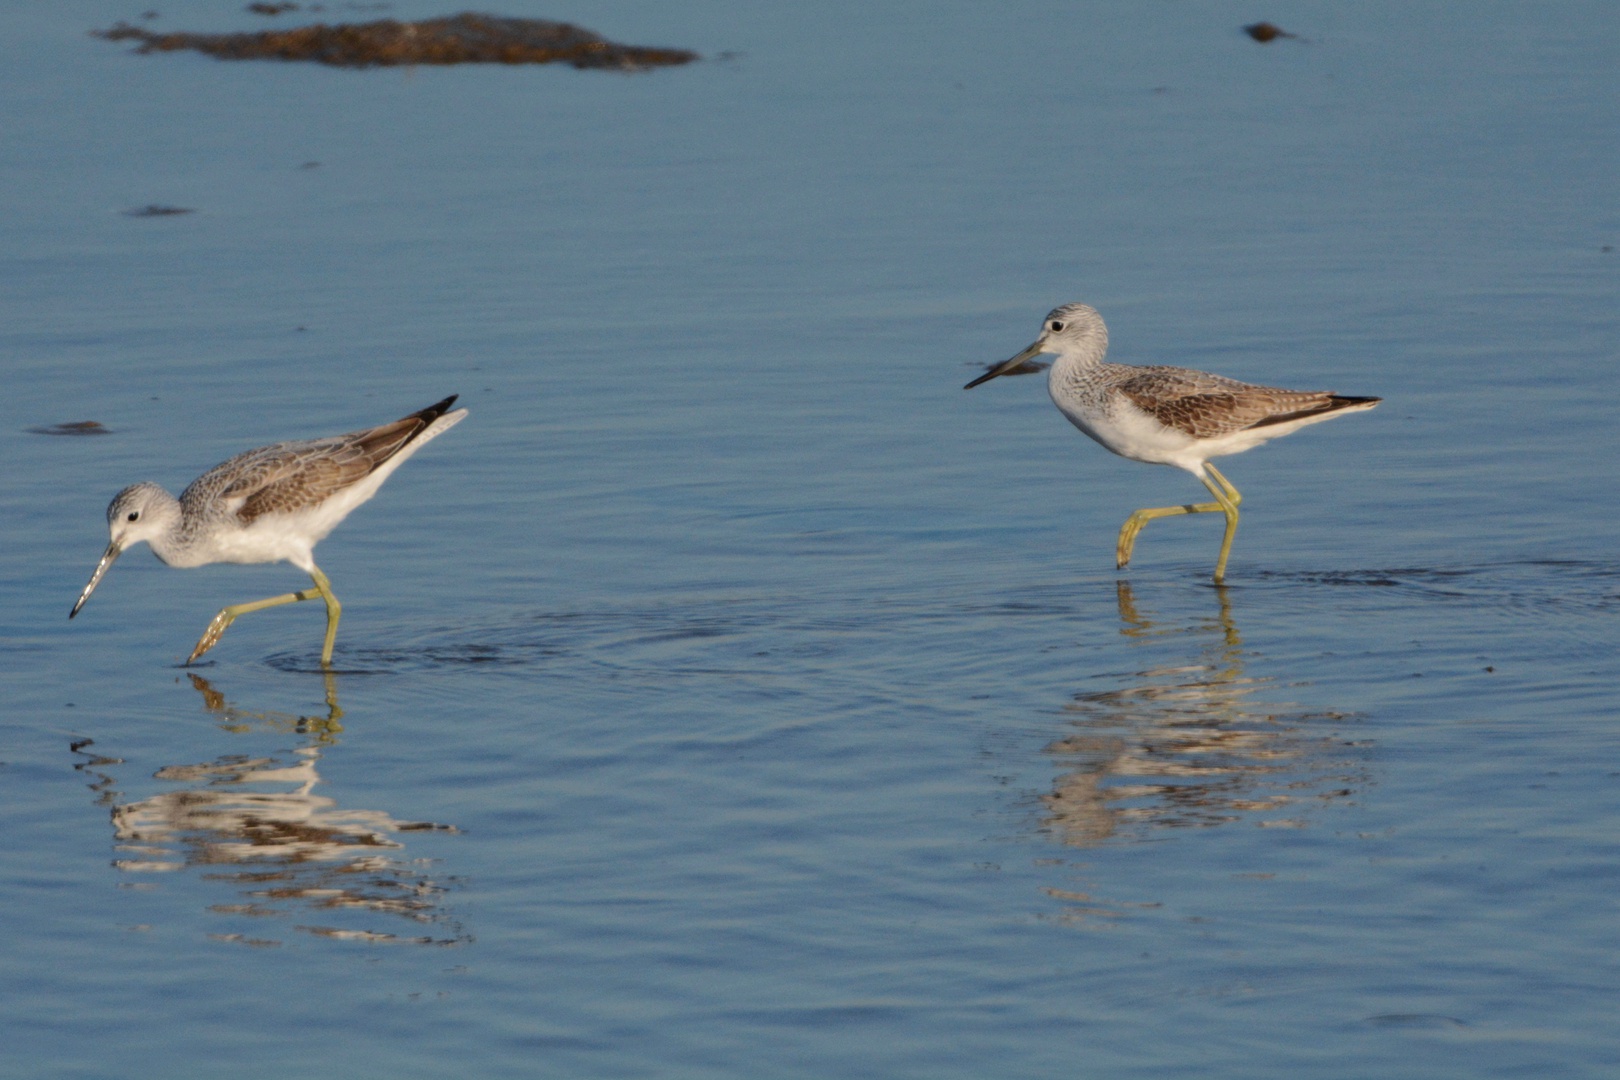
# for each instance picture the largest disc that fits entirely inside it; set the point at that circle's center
(293, 476)
(1207, 406)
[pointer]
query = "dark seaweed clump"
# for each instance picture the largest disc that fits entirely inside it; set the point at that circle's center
(158, 210)
(72, 427)
(468, 38)
(1264, 32)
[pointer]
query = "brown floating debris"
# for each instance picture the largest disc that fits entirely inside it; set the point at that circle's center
(271, 9)
(76, 427)
(1264, 32)
(468, 38)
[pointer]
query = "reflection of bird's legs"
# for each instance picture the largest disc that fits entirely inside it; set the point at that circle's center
(1134, 623)
(213, 700)
(334, 711)
(325, 729)
(1226, 502)
(1229, 628)
(322, 589)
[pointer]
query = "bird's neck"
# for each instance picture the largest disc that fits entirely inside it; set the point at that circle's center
(170, 541)
(1076, 363)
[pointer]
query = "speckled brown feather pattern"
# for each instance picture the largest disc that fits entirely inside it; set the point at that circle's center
(290, 476)
(1207, 406)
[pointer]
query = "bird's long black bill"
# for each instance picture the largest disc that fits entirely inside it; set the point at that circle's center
(113, 551)
(1002, 369)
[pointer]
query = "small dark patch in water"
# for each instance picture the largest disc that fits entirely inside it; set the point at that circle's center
(468, 38)
(1429, 1021)
(1554, 585)
(384, 661)
(305, 665)
(252, 911)
(250, 877)
(157, 210)
(254, 943)
(1357, 579)
(1265, 32)
(374, 937)
(74, 427)
(1384, 579)
(270, 9)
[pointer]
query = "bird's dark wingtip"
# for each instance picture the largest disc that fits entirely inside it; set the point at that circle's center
(433, 412)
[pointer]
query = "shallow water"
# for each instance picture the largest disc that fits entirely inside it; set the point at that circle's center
(732, 695)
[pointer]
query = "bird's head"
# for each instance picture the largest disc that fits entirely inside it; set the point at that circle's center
(141, 512)
(1073, 329)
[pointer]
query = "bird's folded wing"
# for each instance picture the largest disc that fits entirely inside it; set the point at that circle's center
(281, 480)
(1207, 406)
(290, 476)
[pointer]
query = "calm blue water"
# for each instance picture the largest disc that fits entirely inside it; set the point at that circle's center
(732, 695)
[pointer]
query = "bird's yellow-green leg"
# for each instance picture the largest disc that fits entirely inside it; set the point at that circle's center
(1134, 524)
(1228, 497)
(322, 589)
(1226, 502)
(334, 611)
(1232, 494)
(229, 615)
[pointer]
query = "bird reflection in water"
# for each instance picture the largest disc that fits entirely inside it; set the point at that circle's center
(258, 823)
(1187, 743)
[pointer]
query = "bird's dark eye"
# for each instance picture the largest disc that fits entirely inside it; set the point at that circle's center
(134, 515)
(1056, 325)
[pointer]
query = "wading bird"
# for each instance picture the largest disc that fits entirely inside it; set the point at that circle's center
(266, 505)
(1166, 415)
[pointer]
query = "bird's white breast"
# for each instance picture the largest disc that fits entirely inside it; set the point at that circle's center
(1121, 427)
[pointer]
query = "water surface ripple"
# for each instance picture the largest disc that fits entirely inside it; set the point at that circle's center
(733, 696)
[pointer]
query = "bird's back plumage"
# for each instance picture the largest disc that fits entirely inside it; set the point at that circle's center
(291, 476)
(1207, 406)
